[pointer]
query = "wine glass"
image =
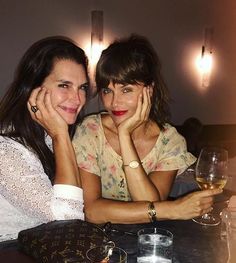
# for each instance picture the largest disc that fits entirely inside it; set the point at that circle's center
(211, 173)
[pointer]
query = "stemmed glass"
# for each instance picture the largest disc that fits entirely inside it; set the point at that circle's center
(211, 173)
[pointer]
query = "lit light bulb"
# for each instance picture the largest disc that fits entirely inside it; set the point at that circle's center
(205, 63)
(96, 50)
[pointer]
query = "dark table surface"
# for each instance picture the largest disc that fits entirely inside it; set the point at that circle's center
(193, 243)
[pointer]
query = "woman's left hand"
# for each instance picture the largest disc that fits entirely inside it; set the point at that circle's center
(141, 115)
(45, 114)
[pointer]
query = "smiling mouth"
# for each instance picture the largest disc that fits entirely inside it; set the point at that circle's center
(119, 113)
(69, 110)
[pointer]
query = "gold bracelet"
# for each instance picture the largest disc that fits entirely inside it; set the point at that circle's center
(152, 212)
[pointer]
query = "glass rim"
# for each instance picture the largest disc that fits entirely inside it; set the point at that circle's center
(156, 229)
(115, 247)
(214, 149)
(229, 209)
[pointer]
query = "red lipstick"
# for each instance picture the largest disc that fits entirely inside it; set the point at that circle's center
(119, 113)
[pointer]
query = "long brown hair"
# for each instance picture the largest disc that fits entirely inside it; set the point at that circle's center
(36, 64)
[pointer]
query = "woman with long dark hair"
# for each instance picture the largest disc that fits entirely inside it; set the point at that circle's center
(39, 179)
(130, 155)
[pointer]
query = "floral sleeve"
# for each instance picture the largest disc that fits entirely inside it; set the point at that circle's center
(174, 154)
(85, 143)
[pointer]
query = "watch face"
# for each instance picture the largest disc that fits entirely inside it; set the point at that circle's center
(133, 164)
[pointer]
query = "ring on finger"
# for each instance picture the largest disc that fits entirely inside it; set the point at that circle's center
(34, 109)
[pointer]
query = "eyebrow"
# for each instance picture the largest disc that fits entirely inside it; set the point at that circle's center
(121, 87)
(85, 84)
(64, 81)
(69, 82)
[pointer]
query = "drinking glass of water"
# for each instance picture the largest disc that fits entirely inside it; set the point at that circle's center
(155, 245)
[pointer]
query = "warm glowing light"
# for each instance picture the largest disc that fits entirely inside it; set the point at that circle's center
(96, 36)
(206, 63)
(93, 52)
(96, 50)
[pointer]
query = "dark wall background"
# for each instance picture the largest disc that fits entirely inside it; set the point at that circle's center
(175, 28)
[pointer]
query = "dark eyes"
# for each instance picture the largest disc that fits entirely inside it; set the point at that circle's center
(126, 89)
(83, 87)
(63, 85)
(106, 90)
(123, 90)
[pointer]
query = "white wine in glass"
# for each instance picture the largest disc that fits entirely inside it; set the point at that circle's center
(212, 183)
(211, 173)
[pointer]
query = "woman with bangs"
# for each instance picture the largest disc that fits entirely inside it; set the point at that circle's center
(129, 156)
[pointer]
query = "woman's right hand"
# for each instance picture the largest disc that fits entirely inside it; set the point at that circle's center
(141, 115)
(46, 115)
(194, 204)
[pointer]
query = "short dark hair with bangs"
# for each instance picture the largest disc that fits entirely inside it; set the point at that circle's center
(133, 60)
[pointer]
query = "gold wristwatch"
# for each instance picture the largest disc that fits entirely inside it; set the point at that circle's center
(133, 164)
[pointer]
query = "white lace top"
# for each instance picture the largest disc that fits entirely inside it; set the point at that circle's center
(27, 197)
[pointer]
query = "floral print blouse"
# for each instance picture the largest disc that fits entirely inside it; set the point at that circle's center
(95, 155)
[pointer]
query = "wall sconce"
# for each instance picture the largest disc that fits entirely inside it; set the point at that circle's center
(96, 36)
(205, 62)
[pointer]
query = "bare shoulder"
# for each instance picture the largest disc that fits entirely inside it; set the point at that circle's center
(107, 122)
(153, 130)
(105, 119)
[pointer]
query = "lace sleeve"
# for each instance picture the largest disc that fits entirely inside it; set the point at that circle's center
(24, 184)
